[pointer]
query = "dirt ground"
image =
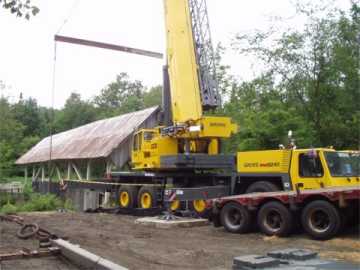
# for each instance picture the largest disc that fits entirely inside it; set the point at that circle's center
(136, 246)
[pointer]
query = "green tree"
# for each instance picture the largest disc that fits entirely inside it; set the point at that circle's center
(153, 97)
(27, 113)
(21, 8)
(11, 133)
(125, 95)
(263, 117)
(315, 72)
(76, 112)
(121, 96)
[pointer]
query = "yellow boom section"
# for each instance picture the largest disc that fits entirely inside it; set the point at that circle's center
(184, 82)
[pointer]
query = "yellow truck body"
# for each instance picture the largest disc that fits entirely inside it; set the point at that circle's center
(305, 168)
(270, 161)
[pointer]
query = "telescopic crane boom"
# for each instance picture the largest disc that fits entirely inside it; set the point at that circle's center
(190, 62)
(192, 89)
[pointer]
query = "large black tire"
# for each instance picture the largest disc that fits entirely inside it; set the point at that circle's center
(150, 199)
(274, 218)
(321, 220)
(235, 218)
(262, 186)
(132, 192)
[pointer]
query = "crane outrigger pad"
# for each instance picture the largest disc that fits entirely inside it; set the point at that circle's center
(197, 161)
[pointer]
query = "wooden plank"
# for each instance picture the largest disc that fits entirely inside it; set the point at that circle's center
(84, 258)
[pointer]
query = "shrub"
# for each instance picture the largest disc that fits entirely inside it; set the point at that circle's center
(8, 208)
(40, 202)
(68, 205)
(6, 198)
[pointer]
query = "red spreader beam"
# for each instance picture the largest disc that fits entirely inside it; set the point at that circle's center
(107, 46)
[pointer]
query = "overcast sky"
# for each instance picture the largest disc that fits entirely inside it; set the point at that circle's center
(27, 47)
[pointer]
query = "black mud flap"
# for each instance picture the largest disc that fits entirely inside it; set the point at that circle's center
(214, 218)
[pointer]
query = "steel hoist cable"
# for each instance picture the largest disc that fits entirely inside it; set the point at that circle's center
(53, 87)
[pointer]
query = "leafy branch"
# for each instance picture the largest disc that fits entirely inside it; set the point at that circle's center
(20, 8)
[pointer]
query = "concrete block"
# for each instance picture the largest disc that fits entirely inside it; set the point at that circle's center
(84, 258)
(254, 262)
(91, 199)
(293, 254)
(167, 224)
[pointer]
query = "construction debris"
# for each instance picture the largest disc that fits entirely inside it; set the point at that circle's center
(29, 254)
(51, 245)
(288, 259)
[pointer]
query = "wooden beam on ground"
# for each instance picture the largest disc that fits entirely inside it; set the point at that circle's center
(108, 46)
(84, 258)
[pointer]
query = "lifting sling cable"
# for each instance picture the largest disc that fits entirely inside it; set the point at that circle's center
(53, 86)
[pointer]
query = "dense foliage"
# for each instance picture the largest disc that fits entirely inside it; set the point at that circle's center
(309, 82)
(21, 8)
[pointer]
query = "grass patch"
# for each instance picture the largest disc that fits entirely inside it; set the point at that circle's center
(36, 202)
(39, 202)
(8, 208)
(28, 201)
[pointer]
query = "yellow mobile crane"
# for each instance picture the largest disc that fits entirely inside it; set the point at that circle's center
(183, 156)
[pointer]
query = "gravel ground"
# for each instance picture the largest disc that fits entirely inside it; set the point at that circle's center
(136, 246)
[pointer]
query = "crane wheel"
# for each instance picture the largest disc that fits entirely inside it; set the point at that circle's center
(321, 220)
(200, 208)
(147, 197)
(274, 218)
(127, 196)
(175, 205)
(262, 186)
(235, 218)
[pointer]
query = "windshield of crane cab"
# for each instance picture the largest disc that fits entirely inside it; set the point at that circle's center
(343, 164)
